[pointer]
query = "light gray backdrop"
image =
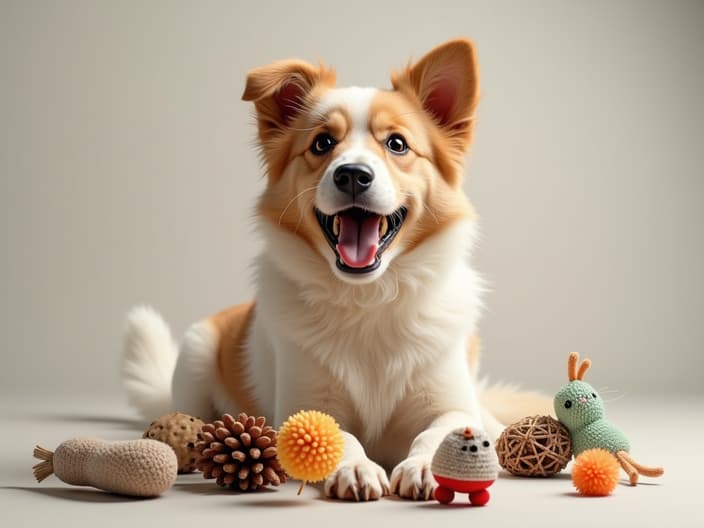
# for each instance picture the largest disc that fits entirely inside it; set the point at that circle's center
(128, 174)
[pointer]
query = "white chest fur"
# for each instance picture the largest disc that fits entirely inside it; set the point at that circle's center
(371, 339)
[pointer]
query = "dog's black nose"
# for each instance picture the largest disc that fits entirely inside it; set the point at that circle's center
(353, 178)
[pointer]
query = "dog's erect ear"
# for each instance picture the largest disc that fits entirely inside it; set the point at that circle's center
(446, 83)
(280, 91)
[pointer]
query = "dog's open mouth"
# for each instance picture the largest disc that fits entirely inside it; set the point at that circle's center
(359, 237)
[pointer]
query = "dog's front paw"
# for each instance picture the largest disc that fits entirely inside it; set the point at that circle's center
(362, 480)
(412, 479)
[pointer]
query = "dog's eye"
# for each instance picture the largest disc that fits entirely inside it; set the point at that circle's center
(396, 144)
(322, 144)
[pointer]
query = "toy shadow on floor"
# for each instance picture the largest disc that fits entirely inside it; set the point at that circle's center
(253, 499)
(435, 505)
(505, 475)
(79, 494)
(208, 487)
(623, 484)
(273, 503)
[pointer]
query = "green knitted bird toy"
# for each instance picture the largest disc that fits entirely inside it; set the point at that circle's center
(581, 410)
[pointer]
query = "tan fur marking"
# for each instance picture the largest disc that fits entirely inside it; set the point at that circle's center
(434, 200)
(289, 198)
(456, 60)
(339, 122)
(278, 119)
(233, 325)
(473, 354)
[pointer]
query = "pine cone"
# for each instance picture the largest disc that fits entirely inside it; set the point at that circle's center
(239, 454)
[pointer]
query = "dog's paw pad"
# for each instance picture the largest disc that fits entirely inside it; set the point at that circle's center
(412, 479)
(357, 481)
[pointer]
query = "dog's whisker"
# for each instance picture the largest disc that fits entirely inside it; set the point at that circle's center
(317, 123)
(304, 129)
(317, 118)
(412, 112)
(300, 215)
(308, 189)
(616, 398)
(427, 208)
(610, 395)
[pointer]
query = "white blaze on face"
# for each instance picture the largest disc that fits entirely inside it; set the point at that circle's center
(381, 196)
(358, 234)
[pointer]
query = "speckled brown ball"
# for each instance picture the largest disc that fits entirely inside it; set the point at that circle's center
(180, 431)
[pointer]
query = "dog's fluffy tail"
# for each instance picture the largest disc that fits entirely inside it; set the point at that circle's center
(149, 359)
(508, 403)
(504, 403)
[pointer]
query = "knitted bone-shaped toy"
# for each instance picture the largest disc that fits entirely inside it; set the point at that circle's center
(581, 410)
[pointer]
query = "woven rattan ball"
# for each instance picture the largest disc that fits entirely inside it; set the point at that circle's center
(537, 446)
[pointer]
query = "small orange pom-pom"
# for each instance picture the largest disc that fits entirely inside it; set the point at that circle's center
(595, 472)
(310, 445)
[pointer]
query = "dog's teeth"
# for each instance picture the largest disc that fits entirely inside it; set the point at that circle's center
(383, 226)
(336, 226)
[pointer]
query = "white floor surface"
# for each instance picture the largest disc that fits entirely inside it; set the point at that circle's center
(663, 432)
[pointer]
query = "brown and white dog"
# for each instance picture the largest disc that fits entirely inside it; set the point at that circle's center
(365, 305)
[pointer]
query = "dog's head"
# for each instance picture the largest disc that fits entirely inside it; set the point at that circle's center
(363, 175)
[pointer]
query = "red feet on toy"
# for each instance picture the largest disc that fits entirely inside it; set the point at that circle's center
(444, 495)
(464, 462)
(479, 498)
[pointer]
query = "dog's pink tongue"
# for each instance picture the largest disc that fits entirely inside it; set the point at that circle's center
(358, 240)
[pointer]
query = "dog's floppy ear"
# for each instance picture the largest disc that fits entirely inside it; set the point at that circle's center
(280, 91)
(446, 83)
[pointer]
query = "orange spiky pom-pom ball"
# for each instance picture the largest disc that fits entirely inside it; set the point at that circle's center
(310, 446)
(595, 472)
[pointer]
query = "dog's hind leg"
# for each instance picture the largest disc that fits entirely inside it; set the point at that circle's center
(211, 375)
(195, 374)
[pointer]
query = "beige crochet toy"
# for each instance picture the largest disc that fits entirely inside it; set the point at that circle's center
(180, 431)
(139, 468)
(465, 462)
